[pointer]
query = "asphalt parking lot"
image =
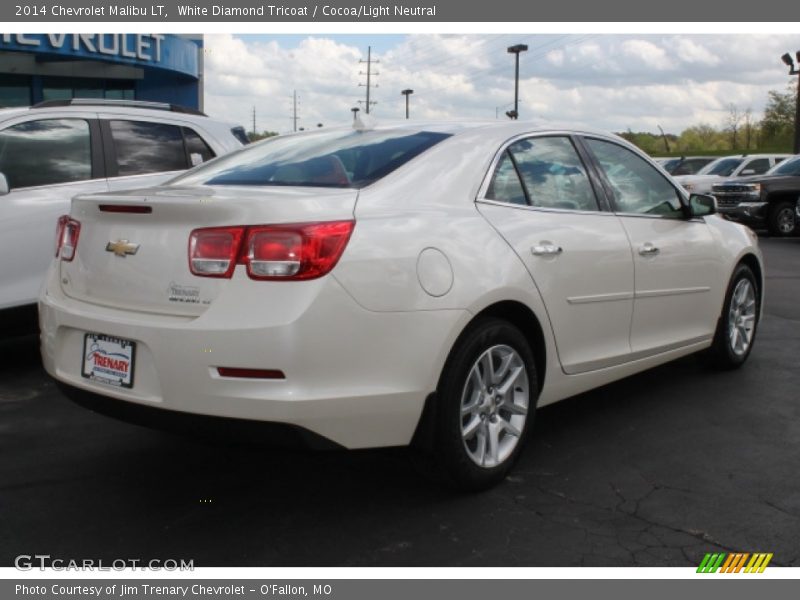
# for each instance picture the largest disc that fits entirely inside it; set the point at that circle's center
(654, 470)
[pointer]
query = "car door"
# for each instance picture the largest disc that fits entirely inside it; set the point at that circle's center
(676, 262)
(542, 200)
(144, 153)
(46, 161)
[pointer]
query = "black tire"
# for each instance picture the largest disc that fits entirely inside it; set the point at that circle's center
(723, 354)
(781, 220)
(449, 451)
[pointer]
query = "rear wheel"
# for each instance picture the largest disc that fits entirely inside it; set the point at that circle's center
(781, 221)
(487, 397)
(736, 329)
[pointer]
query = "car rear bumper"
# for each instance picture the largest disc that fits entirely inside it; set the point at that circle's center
(356, 377)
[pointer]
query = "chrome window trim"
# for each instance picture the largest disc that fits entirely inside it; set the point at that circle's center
(487, 177)
(544, 208)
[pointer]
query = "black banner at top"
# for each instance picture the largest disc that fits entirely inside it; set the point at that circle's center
(411, 11)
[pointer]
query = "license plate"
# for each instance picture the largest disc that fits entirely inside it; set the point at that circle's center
(108, 360)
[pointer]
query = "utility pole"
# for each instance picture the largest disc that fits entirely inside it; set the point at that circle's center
(407, 93)
(368, 85)
(294, 109)
(515, 50)
(795, 70)
(254, 121)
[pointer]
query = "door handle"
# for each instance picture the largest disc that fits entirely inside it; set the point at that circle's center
(648, 250)
(546, 249)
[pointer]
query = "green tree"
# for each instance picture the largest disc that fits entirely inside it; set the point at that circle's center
(777, 126)
(702, 138)
(254, 137)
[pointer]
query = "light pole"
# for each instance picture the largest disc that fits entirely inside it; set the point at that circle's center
(515, 50)
(355, 110)
(795, 70)
(407, 93)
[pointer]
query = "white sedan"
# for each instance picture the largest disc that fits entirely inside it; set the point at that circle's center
(425, 283)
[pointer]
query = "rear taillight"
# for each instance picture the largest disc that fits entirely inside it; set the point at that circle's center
(270, 252)
(67, 232)
(303, 251)
(213, 251)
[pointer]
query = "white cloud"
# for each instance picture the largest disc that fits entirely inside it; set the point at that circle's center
(612, 82)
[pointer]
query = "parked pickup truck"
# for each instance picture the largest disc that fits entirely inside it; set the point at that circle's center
(771, 199)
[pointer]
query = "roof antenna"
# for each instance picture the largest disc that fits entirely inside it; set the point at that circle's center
(363, 122)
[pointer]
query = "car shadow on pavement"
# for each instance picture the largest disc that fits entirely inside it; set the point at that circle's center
(599, 466)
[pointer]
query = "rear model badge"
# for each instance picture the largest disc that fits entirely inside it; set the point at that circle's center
(122, 248)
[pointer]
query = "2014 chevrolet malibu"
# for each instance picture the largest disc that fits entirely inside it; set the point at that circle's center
(380, 285)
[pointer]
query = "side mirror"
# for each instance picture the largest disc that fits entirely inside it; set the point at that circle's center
(3, 185)
(702, 205)
(747, 172)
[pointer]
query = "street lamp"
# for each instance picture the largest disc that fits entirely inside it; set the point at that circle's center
(407, 93)
(355, 110)
(515, 50)
(795, 70)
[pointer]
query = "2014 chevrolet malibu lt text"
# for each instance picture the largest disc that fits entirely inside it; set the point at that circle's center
(380, 285)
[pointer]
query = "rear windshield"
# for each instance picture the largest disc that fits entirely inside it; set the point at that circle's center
(344, 159)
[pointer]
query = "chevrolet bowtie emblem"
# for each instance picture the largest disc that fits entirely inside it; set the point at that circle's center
(122, 248)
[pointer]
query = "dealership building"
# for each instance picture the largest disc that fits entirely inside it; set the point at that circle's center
(122, 66)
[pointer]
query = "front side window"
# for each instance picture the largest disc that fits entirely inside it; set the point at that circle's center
(638, 188)
(343, 159)
(551, 173)
(46, 152)
(145, 147)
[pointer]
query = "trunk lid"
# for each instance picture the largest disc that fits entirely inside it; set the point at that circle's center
(139, 261)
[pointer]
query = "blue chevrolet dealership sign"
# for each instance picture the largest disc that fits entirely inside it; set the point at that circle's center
(153, 50)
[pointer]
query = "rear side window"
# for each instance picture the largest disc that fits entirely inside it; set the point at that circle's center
(144, 147)
(505, 185)
(240, 134)
(350, 159)
(199, 152)
(551, 173)
(46, 152)
(757, 166)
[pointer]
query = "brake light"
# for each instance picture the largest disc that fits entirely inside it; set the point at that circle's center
(68, 231)
(213, 251)
(292, 252)
(136, 209)
(301, 251)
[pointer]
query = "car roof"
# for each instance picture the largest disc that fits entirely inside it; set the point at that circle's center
(488, 130)
(116, 109)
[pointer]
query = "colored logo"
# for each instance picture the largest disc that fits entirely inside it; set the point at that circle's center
(735, 562)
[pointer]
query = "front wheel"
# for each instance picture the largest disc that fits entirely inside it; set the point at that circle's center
(487, 397)
(781, 221)
(736, 329)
